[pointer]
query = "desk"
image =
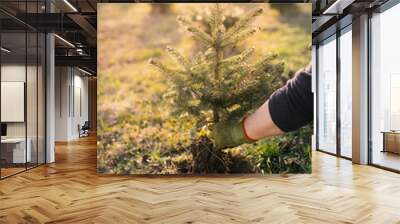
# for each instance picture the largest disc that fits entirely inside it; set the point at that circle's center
(391, 141)
(13, 150)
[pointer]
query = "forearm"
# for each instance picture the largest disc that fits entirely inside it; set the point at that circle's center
(288, 109)
(260, 125)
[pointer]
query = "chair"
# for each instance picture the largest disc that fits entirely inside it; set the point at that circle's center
(84, 130)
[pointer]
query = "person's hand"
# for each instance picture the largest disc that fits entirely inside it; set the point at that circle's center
(229, 134)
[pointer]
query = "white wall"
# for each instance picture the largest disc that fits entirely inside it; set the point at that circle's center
(62, 81)
(80, 109)
(71, 87)
(12, 73)
(33, 126)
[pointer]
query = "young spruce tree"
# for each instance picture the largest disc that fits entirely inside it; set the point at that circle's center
(217, 86)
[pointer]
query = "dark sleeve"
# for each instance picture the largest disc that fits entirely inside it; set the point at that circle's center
(291, 106)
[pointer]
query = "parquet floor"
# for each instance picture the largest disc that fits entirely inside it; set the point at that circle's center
(70, 191)
(9, 171)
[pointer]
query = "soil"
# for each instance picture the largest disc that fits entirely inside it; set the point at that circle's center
(208, 159)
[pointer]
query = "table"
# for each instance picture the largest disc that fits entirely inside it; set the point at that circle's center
(391, 141)
(13, 150)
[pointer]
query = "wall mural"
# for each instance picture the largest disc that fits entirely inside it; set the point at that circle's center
(173, 76)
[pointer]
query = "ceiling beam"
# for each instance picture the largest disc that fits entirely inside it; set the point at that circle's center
(77, 61)
(83, 23)
(49, 22)
(337, 7)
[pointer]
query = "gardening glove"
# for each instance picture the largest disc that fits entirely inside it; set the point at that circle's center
(229, 134)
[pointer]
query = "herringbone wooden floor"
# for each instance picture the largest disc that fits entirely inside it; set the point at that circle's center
(70, 191)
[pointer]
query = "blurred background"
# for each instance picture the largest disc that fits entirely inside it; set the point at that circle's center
(136, 134)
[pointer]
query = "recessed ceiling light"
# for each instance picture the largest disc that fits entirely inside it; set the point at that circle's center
(84, 71)
(5, 50)
(337, 7)
(70, 5)
(64, 40)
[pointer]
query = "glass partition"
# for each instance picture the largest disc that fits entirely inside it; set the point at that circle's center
(22, 78)
(32, 87)
(326, 73)
(32, 95)
(14, 153)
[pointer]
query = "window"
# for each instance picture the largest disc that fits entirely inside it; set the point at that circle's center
(345, 92)
(385, 88)
(327, 95)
